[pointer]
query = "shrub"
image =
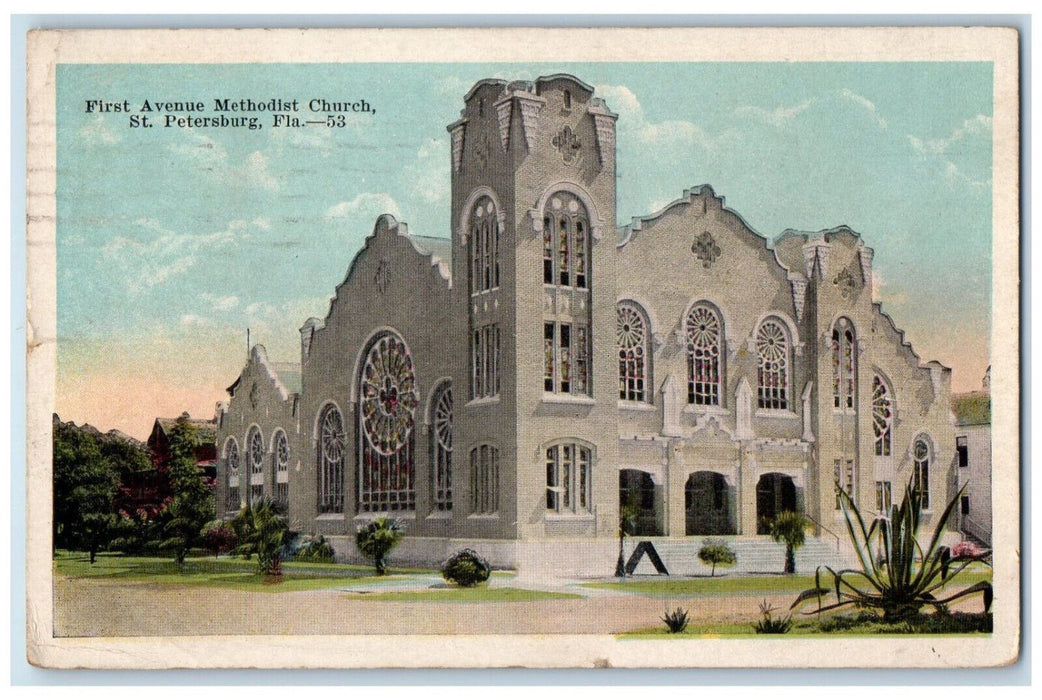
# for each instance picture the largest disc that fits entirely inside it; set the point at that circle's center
(906, 575)
(716, 552)
(261, 530)
(768, 624)
(317, 550)
(466, 568)
(676, 621)
(377, 538)
(219, 537)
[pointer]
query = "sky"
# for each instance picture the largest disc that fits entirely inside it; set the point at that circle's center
(173, 241)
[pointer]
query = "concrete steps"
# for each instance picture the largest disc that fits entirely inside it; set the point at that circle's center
(755, 554)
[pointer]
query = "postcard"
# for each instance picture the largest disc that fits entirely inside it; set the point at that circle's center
(523, 347)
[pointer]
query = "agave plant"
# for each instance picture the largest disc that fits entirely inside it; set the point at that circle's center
(904, 577)
(768, 624)
(676, 621)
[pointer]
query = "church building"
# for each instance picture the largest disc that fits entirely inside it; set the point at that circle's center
(515, 387)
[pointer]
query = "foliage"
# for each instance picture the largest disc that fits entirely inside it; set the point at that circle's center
(676, 621)
(789, 527)
(768, 624)
(260, 530)
(85, 484)
(905, 577)
(377, 538)
(716, 552)
(192, 507)
(315, 550)
(219, 537)
(466, 568)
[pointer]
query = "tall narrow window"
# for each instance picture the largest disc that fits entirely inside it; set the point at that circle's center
(566, 242)
(485, 362)
(255, 452)
(568, 478)
(387, 401)
(566, 367)
(882, 416)
(631, 333)
(843, 472)
(772, 347)
(484, 246)
(844, 369)
(280, 459)
(704, 332)
(962, 451)
(331, 454)
(231, 461)
(441, 448)
(484, 480)
(921, 472)
(884, 496)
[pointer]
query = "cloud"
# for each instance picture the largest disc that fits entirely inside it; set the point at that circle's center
(207, 154)
(868, 104)
(624, 102)
(221, 303)
(97, 132)
(192, 320)
(941, 148)
(365, 206)
(778, 116)
(429, 174)
(200, 149)
(255, 172)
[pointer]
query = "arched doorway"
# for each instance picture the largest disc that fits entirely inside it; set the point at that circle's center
(775, 493)
(637, 492)
(707, 505)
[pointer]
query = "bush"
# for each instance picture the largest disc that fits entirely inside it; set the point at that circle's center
(315, 549)
(466, 568)
(219, 537)
(377, 538)
(716, 552)
(676, 621)
(260, 530)
(768, 624)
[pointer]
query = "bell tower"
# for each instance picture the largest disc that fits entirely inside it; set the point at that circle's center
(533, 225)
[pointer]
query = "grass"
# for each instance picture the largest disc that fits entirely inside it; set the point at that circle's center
(225, 572)
(477, 594)
(711, 586)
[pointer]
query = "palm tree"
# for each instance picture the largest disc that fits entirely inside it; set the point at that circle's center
(377, 538)
(789, 527)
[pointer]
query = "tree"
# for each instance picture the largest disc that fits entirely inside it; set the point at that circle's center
(84, 486)
(377, 538)
(789, 527)
(192, 506)
(260, 531)
(716, 552)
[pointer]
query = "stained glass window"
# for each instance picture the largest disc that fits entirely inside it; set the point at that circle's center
(255, 451)
(631, 335)
(484, 246)
(772, 348)
(704, 333)
(568, 478)
(882, 416)
(331, 456)
(231, 461)
(566, 358)
(844, 373)
(280, 459)
(387, 400)
(485, 362)
(484, 480)
(921, 472)
(566, 242)
(441, 452)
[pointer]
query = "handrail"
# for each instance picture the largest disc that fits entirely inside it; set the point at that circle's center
(822, 527)
(977, 530)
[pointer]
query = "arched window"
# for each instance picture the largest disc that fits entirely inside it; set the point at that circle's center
(566, 242)
(441, 448)
(568, 478)
(387, 401)
(484, 480)
(921, 472)
(704, 339)
(631, 333)
(331, 455)
(484, 246)
(772, 349)
(280, 467)
(882, 416)
(231, 463)
(844, 364)
(255, 454)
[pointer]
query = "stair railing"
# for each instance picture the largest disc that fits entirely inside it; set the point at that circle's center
(825, 529)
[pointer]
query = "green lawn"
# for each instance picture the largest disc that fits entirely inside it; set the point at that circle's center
(715, 586)
(478, 594)
(225, 572)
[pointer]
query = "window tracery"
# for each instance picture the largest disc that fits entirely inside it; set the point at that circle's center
(704, 339)
(772, 348)
(632, 339)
